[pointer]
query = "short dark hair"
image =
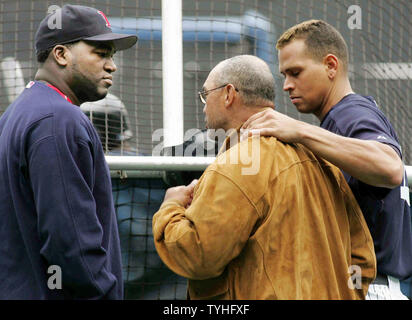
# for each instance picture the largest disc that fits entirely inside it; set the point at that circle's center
(44, 54)
(320, 38)
(251, 75)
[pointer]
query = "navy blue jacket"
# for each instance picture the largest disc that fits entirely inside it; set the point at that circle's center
(56, 205)
(387, 211)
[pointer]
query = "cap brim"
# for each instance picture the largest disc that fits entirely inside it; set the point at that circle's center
(120, 41)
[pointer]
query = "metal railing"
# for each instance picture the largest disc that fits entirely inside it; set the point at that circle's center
(152, 167)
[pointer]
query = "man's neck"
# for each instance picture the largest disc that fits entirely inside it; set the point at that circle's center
(233, 132)
(336, 94)
(244, 113)
(45, 76)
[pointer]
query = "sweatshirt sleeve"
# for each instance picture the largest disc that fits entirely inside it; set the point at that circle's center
(200, 241)
(69, 229)
(368, 124)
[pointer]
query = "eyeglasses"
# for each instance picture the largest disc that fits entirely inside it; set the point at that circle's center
(203, 94)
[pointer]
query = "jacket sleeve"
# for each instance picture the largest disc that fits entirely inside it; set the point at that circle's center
(61, 175)
(363, 259)
(200, 241)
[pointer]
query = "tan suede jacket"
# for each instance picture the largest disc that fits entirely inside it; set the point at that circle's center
(293, 230)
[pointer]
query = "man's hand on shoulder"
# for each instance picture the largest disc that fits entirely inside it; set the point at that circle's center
(272, 123)
(354, 156)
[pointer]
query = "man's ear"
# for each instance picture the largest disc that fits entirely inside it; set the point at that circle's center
(230, 94)
(61, 54)
(332, 64)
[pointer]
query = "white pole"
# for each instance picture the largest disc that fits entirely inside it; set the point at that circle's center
(172, 65)
(13, 77)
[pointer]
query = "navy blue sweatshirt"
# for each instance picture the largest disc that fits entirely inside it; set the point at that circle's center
(387, 211)
(56, 205)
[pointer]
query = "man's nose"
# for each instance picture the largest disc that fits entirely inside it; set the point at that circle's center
(288, 85)
(110, 66)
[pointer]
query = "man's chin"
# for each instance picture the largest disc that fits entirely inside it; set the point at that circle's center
(302, 108)
(99, 95)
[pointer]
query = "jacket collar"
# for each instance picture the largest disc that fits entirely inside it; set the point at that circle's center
(232, 139)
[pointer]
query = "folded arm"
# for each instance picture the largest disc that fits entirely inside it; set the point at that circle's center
(200, 241)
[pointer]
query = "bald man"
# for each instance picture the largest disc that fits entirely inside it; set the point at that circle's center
(288, 229)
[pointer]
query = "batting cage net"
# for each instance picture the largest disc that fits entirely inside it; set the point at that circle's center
(378, 34)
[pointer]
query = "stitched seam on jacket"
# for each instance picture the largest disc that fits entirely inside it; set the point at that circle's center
(265, 269)
(240, 189)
